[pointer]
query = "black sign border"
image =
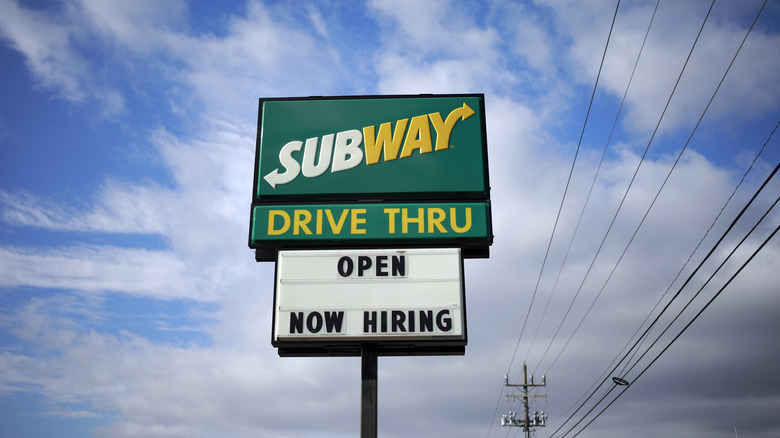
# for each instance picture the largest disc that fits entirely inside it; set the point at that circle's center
(455, 346)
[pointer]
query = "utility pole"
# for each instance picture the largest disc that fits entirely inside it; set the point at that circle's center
(538, 419)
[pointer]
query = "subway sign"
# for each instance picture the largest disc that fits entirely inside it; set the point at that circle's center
(371, 170)
(330, 302)
(347, 147)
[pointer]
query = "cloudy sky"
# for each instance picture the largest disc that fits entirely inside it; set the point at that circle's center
(130, 304)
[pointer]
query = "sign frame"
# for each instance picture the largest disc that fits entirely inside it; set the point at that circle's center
(387, 345)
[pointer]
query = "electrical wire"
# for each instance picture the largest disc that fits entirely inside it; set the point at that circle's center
(628, 189)
(717, 294)
(563, 199)
(593, 183)
(712, 225)
(696, 127)
(706, 233)
(680, 312)
(703, 237)
(566, 190)
(637, 346)
(685, 307)
(690, 277)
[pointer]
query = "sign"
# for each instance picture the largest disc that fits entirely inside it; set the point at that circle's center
(352, 147)
(387, 171)
(407, 300)
(377, 223)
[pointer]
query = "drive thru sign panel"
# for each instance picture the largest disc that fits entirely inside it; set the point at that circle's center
(336, 300)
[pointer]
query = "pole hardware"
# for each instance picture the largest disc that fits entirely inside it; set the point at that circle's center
(528, 421)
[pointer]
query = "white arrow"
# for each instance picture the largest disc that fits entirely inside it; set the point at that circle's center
(275, 178)
(291, 167)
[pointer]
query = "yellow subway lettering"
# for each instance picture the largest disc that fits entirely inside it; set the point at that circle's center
(418, 137)
(383, 141)
(444, 128)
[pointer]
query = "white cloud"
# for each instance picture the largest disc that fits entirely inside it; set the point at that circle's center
(159, 390)
(139, 26)
(261, 54)
(317, 21)
(158, 274)
(435, 49)
(46, 43)
(234, 384)
(51, 45)
(119, 209)
(669, 42)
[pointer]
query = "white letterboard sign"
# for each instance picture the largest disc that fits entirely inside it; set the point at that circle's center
(369, 296)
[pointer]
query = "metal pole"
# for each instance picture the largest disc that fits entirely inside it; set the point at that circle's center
(368, 393)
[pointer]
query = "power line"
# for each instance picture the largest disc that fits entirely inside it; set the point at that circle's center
(566, 190)
(593, 183)
(696, 127)
(711, 225)
(728, 201)
(687, 304)
(637, 346)
(677, 316)
(560, 208)
(690, 277)
(628, 189)
(717, 294)
(563, 199)
(705, 234)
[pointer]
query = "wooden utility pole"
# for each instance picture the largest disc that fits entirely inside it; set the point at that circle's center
(528, 422)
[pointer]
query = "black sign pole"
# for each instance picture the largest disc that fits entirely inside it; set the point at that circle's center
(368, 405)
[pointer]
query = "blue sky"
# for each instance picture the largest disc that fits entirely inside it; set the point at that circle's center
(130, 304)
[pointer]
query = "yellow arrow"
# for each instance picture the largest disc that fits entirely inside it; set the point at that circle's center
(463, 112)
(444, 128)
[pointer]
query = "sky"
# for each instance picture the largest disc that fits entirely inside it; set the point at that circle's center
(131, 305)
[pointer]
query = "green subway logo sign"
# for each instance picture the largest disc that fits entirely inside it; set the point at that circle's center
(349, 147)
(367, 171)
